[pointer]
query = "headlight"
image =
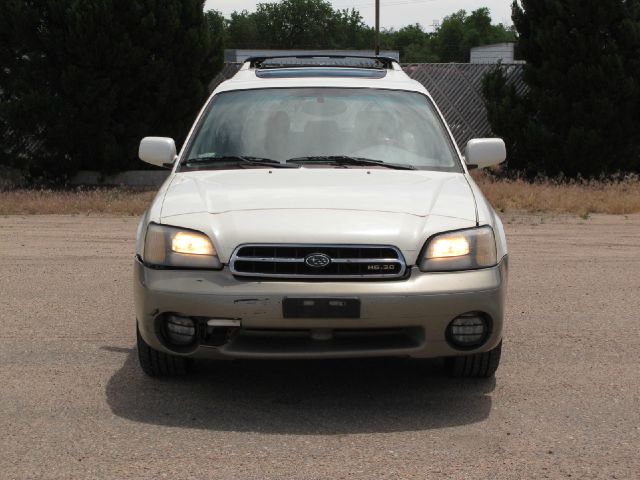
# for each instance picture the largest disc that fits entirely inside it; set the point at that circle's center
(177, 247)
(462, 250)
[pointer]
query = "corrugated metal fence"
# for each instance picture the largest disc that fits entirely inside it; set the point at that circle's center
(455, 87)
(457, 90)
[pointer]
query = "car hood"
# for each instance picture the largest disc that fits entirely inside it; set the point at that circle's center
(319, 206)
(418, 193)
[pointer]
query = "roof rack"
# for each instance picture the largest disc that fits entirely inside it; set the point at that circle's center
(298, 61)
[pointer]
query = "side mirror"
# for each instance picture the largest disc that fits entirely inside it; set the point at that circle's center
(159, 151)
(485, 152)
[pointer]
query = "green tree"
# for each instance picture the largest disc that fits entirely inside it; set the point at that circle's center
(242, 31)
(460, 32)
(451, 42)
(297, 24)
(413, 43)
(217, 27)
(84, 80)
(314, 24)
(351, 31)
(581, 113)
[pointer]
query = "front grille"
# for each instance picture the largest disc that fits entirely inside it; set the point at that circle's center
(333, 261)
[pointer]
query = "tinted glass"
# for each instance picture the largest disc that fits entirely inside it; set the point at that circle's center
(282, 124)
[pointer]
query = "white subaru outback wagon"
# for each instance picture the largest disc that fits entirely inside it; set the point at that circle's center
(320, 208)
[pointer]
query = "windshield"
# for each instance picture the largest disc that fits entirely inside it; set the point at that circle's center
(395, 127)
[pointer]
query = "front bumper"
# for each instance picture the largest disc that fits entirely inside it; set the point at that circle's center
(398, 318)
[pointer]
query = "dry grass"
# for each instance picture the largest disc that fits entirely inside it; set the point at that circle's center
(580, 198)
(507, 196)
(104, 201)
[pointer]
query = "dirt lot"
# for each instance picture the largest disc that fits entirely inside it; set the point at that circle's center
(565, 402)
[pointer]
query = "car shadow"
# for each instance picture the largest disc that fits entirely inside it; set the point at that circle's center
(307, 397)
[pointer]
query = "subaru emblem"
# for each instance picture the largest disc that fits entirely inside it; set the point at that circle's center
(317, 260)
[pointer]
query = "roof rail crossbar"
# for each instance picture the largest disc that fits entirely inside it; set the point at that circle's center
(377, 62)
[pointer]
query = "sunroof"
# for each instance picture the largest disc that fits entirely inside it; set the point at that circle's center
(329, 72)
(321, 61)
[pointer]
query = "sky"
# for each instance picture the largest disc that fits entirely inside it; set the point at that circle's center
(393, 13)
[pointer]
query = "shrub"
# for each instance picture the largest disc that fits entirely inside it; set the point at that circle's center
(581, 114)
(84, 80)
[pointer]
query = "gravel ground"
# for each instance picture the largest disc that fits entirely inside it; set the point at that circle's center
(74, 404)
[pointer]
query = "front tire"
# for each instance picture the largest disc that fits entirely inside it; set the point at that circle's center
(159, 364)
(478, 365)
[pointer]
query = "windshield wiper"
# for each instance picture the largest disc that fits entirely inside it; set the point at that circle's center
(236, 159)
(346, 160)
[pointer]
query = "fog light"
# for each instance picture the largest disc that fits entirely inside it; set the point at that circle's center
(468, 330)
(180, 330)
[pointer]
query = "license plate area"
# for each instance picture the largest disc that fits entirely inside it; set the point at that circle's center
(321, 308)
